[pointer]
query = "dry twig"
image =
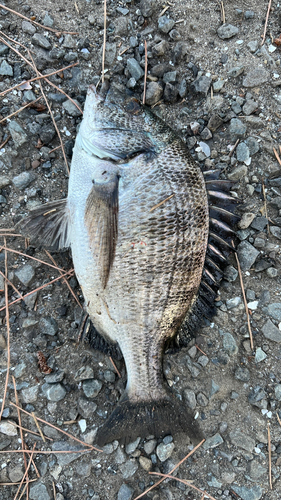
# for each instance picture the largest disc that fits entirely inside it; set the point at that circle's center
(69, 274)
(266, 21)
(161, 202)
(234, 147)
(38, 73)
(26, 473)
(8, 334)
(184, 481)
(58, 429)
(38, 24)
(20, 110)
(12, 285)
(115, 367)
(222, 12)
(265, 206)
(104, 41)
(51, 113)
(277, 156)
(32, 258)
(269, 457)
(173, 469)
(245, 301)
(20, 427)
(164, 10)
(64, 280)
(38, 426)
(37, 78)
(27, 430)
(5, 142)
(145, 71)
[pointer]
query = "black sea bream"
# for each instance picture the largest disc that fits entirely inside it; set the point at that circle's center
(137, 221)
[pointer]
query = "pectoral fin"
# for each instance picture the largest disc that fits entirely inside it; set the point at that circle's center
(101, 220)
(47, 225)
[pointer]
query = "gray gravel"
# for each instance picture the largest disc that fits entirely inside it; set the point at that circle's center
(213, 86)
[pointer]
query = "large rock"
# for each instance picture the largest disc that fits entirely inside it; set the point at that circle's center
(247, 255)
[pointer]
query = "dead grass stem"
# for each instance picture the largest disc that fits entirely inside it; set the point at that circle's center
(64, 280)
(8, 334)
(69, 273)
(145, 71)
(26, 473)
(38, 24)
(266, 22)
(57, 428)
(51, 113)
(27, 430)
(173, 469)
(184, 481)
(20, 110)
(20, 427)
(37, 78)
(269, 457)
(245, 301)
(104, 42)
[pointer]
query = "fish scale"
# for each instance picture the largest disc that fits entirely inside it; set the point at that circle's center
(137, 221)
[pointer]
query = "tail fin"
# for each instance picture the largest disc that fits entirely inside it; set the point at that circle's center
(132, 419)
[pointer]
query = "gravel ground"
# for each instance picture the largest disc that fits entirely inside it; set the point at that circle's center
(215, 85)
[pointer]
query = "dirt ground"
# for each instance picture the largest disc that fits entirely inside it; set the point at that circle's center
(223, 74)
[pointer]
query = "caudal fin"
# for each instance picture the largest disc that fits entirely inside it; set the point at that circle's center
(130, 420)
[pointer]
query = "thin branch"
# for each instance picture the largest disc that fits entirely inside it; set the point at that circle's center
(5, 142)
(269, 457)
(51, 113)
(58, 429)
(266, 21)
(37, 78)
(20, 110)
(64, 280)
(245, 301)
(184, 481)
(161, 202)
(38, 24)
(145, 71)
(20, 427)
(28, 430)
(164, 10)
(8, 335)
(69, 273)
(104, 41)
(32, 258)
(26, 473)
(115, 367)
(277, 156)
(174, 468)
(12, 285)
(222, 13)
(49, 452)
(15, 484)
(38, 72)
(233, 149)
(265, 206)
(38, 426)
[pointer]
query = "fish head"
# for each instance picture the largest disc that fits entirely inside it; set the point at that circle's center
(119, 127)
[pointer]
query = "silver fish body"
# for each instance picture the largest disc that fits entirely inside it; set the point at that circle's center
(136, 219)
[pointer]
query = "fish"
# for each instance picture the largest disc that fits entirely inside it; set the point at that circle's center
(146, 250)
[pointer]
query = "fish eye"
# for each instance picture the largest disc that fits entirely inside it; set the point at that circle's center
(133, 106)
